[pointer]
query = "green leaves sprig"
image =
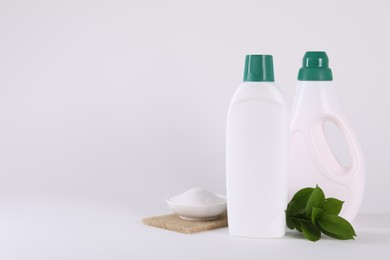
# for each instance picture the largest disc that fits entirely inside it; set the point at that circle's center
(311, 213)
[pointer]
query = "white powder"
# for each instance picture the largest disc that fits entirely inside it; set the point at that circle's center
(197, 197)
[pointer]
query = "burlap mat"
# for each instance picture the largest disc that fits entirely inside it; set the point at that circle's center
(174, 223)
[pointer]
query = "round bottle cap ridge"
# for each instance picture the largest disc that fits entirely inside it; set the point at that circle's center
(315, 67)
(259, 68)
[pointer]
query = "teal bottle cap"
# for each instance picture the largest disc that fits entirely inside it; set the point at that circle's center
(259, 68)
(315, 66)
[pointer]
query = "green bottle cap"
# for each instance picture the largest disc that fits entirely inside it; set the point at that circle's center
(315, 66)
(259, 68)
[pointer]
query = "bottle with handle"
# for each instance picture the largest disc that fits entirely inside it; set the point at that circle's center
(312, 159)
(257, 154)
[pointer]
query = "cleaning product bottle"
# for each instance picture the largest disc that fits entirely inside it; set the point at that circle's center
(312, 159)
(257, 154)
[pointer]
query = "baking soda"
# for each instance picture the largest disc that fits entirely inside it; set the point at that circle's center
(197, 197)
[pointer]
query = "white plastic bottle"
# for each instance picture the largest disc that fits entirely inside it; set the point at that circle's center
(257, 154)
(312, 160)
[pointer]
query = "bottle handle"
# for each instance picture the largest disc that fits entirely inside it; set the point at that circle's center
(324, 155)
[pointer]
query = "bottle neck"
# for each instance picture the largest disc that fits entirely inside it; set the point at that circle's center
(315, 96)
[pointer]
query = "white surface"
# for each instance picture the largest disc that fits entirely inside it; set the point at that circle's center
(124, 103)
(51, 229)
(311, 159)
(257, 150)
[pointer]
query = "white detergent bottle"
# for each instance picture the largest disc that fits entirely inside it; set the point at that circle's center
(312, 159)
(257, 153)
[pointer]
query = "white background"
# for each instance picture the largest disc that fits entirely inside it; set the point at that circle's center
(124, 102)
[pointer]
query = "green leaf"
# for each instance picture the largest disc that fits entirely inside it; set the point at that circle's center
(310, 231)
(315, 200)
(297, 204)
(336, 227)
(332, 206)
(316, 213)
(297, 224)
(310, 213)
(289, 222)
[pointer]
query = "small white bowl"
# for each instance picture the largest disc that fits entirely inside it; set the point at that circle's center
(202, 212)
